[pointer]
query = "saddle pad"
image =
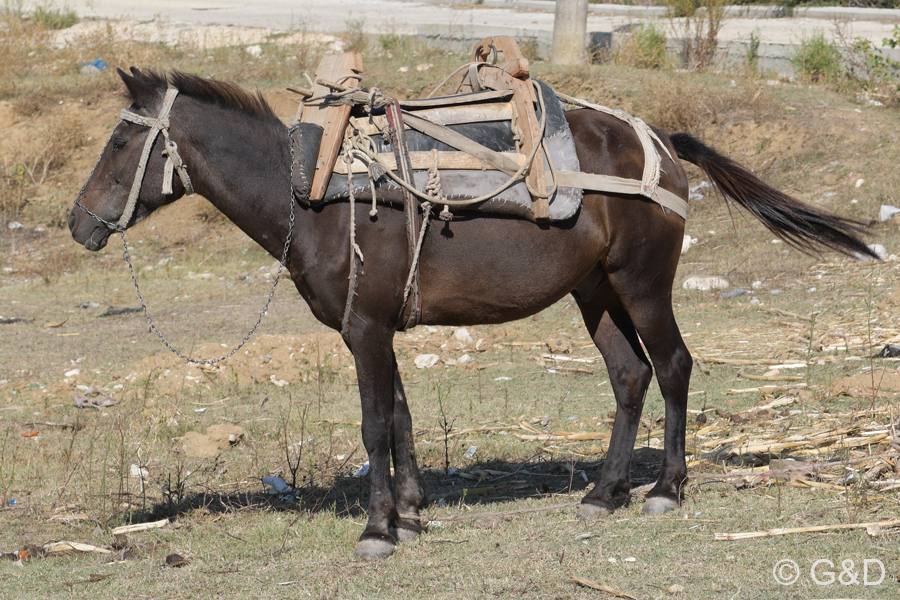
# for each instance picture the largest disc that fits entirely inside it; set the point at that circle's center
(458, 184)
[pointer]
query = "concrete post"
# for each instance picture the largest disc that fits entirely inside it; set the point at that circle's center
(570, 32)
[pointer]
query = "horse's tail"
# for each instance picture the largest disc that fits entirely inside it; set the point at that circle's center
(807, 228)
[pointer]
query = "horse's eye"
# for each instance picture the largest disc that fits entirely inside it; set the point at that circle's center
(118, 145)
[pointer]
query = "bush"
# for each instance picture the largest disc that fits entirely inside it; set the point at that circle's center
(643, 47)
(818, 59)
(48, 16)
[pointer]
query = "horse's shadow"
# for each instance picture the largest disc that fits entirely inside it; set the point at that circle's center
(480, 483)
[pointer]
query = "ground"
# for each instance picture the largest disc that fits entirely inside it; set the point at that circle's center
(523, 422)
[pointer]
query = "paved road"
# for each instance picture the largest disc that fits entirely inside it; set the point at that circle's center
(404, 16)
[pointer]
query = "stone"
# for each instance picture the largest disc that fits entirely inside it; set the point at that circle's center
(462, 335)
(426, 361)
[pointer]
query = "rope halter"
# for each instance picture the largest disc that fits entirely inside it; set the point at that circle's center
(173, 159)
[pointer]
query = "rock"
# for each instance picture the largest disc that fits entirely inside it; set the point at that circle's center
(756, 285)
(462, 335)
(89, 70)
(465, 358)
(888, 212)
(14, 225)
(705, 282)
(255, 50)
(426, 361)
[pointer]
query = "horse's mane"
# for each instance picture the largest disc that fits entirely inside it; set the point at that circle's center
(220, 93)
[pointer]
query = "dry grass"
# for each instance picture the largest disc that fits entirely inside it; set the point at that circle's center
(536, 426)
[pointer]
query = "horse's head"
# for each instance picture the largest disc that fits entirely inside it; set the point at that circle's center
(132, 177)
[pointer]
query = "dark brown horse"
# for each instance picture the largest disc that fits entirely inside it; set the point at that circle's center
(617, 256)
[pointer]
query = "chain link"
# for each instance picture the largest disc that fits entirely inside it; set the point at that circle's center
(153, 328)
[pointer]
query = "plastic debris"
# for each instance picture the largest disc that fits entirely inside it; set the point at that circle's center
(887, 212)
(694, 192)
(687, 242)
(362, 471)
(277, 485)
(705, 282)
(93, 67)
(889, 351)
(14, 225)
(89, 304)
(733, 294)
(471, 451)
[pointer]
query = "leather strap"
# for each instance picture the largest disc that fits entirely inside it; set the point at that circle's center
(401, 154)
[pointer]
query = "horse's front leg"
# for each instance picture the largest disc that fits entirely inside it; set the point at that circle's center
(410, 485)
(374, 357)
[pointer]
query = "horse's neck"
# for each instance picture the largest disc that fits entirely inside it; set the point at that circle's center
(244, 168)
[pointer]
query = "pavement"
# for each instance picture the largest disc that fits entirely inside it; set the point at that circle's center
(510, 16)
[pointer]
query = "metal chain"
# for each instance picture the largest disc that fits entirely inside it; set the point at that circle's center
(152, 325)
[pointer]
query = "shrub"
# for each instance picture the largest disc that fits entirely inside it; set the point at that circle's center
(48, 16)
(643, 47)
(817, 59)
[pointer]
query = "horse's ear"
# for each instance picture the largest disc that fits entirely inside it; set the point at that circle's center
(139, 88)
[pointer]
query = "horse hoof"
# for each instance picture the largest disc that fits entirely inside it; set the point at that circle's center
(591, 511)
(405, 535)
(658, 505)
(372, 549)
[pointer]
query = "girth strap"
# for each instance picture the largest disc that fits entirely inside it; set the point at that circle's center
(401, 153)
(173, 159)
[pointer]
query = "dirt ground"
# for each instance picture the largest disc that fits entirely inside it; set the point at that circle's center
(96, 419)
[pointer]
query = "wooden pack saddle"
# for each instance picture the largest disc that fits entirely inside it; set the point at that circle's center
(495, 86)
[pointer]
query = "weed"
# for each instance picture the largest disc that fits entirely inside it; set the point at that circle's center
(7, 469)
(817, 59)
(870, 67)
(353, 36)
(49, 16)
(445, 425)
(643, 47)
(698, 30)
(753, 50)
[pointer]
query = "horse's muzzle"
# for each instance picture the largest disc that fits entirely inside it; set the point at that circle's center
(90, 233)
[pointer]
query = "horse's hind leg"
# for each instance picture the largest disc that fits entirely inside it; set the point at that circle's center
(410, 485)
(654, 320)
(629, 375)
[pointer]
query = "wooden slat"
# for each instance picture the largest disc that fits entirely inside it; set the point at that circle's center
(451, 115)
(460, 142)
(525, 118)
(485, 96)
(333, 119)
(425, 160)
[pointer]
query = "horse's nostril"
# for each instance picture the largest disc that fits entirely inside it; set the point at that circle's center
(72, 222)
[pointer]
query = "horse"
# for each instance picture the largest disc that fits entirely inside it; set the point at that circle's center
(616, 256)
